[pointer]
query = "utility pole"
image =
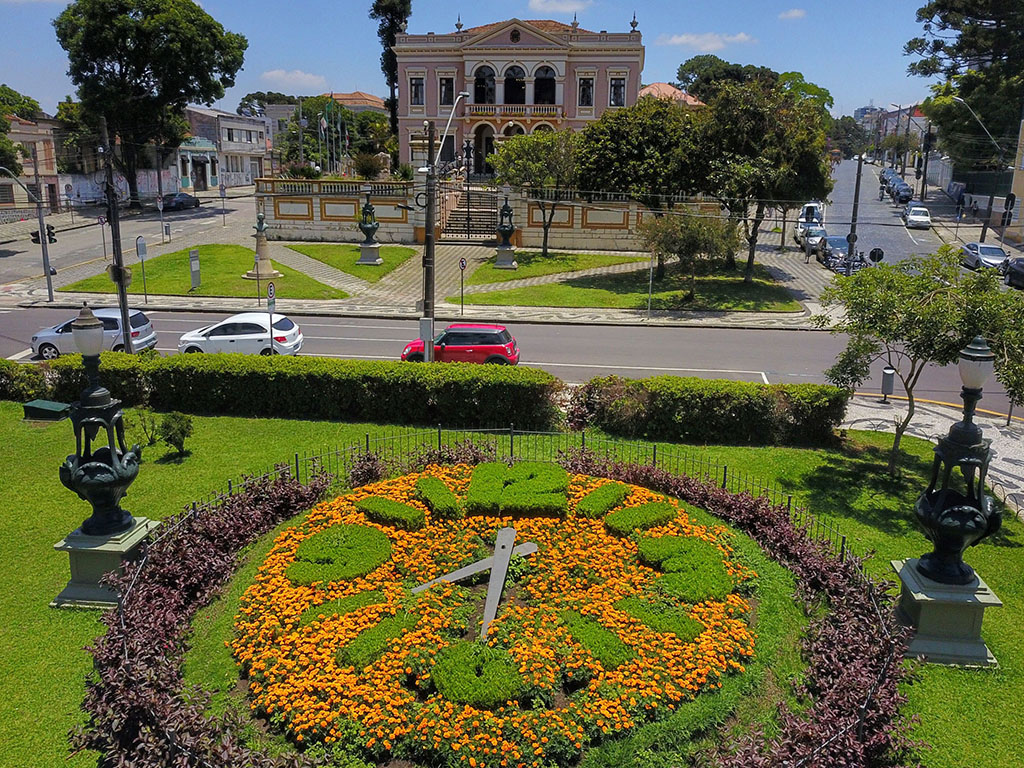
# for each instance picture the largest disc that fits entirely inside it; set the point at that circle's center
(851, 239)
(427, 321)
(906, 142)
(42, 225)
(302, 153)
(924, 173)
(117, 269)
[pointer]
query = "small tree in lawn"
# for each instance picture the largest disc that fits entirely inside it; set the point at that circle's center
(689, 236)
(907, 315)
(175, 429)
(544, 162)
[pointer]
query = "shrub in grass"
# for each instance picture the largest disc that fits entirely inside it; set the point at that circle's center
(20, 382)
(604, 645)
(366, 467)
(661, 618)
(393, 513)
(477, 675)
(340, 606)
(438, 497)
(175, 428)
(602, 500)
(370, 644)
(339, 553)
(650, 515)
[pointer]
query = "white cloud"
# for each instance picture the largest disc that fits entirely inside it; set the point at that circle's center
(294, 79)
(558, 6)
(706, 41)
(793, 13)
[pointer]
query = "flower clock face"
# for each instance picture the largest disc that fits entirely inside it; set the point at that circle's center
(369, 629)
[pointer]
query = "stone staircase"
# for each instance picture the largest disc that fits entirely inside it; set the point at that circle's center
(474, 217)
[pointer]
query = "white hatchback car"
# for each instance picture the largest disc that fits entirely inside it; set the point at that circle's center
(246, 333)
(50, 343)
(918, 218)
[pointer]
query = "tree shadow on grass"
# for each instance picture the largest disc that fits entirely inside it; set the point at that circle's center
(173, 457)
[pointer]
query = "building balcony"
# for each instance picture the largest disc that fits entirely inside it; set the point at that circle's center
(514, 110)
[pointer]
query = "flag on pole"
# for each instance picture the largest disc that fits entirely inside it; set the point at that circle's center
(346, 138)
(323, 124)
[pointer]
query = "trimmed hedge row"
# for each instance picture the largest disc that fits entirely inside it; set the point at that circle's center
(21, 382)
(693, 410)
(321, 388)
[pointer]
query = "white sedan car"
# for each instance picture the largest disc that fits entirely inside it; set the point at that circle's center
(918, 218)
(247, 333)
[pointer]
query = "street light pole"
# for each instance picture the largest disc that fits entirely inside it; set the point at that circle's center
(117, 268)
(1002, 161)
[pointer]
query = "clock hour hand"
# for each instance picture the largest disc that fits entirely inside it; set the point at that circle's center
(499, 570)
(468, 570)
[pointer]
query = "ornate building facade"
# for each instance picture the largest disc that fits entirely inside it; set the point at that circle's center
(521, 77)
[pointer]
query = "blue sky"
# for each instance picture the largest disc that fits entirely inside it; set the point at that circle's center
(853, 48)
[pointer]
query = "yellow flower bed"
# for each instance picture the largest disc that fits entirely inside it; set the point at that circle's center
(570, 700)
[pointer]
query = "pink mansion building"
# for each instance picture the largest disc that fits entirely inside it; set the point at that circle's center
(521, 76)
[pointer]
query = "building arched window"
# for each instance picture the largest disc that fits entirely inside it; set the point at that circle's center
(483, 85)
(515, 85)
(544, 86)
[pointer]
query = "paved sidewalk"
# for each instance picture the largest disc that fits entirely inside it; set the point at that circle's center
(1006, 473)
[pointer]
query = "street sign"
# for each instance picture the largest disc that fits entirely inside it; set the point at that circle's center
(851, 238)
(462, 263)
(193, 263)
(140, 247)
(101, 220)
(67, 190)
(876, 255)
(271, 305)
(271, 293)
(1009, 202)
(223, 191)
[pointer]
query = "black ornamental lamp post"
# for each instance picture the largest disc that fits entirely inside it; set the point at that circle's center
(954, 511)
(505, 225)
(368, 225)
(100, 476)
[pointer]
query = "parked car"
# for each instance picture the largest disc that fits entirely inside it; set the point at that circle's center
(811, 236)
(50, 343)
(468, 343)
(831, 247)
(977, 255)
(1015, 272)
(246, 333)
(178, 201)
(917, 217)
(903, 194)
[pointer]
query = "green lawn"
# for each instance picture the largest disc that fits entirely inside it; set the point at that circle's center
(42, 664)
(343, 256)
(221, 269)
(533, 264)
(629, 291)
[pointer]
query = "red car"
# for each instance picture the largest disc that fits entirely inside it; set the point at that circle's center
(468, 343)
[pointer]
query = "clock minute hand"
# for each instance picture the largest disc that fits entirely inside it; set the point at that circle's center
(468, 570)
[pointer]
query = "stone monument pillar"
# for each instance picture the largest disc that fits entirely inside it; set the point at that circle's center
(505, 255)
(369, 249)
(263, 269)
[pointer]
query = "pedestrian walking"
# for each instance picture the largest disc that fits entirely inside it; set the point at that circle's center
(974, 210)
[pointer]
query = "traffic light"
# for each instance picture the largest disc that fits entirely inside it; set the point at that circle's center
(51, 236)
(35, 237)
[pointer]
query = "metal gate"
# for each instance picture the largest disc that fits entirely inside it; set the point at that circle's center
(467, 211)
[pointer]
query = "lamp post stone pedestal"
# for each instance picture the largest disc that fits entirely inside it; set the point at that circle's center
(92, 557)
(263, 269)
(505, 255)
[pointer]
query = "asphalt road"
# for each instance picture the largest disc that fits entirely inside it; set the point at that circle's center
(878, 223)
(23, 258)
(574, 353)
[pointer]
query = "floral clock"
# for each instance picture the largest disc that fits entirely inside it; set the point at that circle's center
(489, 616)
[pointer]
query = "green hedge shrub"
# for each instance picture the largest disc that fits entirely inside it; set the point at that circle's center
(458, 394)
(477, 675)
(21, 382)
(370, 644)
(340, 606)
(649, 515)
(602, 500)
(438, 497)
(709, 410)
(393, 513)
(526, 488)
(661, 618)
(339, 553)
(603, 644)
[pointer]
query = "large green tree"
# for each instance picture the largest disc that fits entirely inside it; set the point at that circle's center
(690, 236)
(703, 75)
(918, 312)
(138, 63)
(977, 47)
(764, 148)
(544, 164)
(645, 152)
(13, 104)
(254, 103)
(392, 16)
(847, 135)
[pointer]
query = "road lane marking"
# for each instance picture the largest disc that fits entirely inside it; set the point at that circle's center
(21, 355)
(910, 236)
(644, 368)
(764, 377)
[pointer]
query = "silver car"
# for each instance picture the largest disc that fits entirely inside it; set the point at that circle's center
(50, 343)
(977, 255)
(246, 333)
